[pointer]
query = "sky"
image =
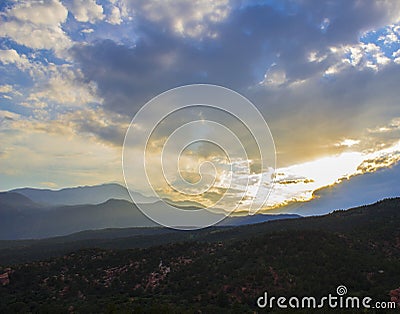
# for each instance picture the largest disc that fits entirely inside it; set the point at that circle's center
(324, 74)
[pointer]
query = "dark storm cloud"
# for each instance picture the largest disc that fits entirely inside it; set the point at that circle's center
(128, 77)
(110, 134)
(249, 41)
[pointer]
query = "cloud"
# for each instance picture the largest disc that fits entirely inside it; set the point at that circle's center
(356, 191)
(51, 185)
(6, 88)
(82, 157)
(11, 56)
(361, 56)
(383, 158)
(255, 27)
(309, 118)
(34, 36)
(184, 18)
(50, 12)
(77, 160)
(129, 76)
(64, 86)
(6, 115)
(347, 142)
(36, 24)
(274, 76)
(115, 16)
(306, 182)
(257, 44)
(393, 125)
(101, 126)
(396, 55)
(61, 84)
(309, 68)
(119, 11)
(372, 165)
(11, 59)
(86, 10)
(87, 30)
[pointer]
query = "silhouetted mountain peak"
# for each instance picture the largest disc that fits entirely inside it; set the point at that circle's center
(12, 200)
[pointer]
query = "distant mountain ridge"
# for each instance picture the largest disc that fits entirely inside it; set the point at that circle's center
(21, 218)
(36, 222)
(12, 200)
(96, 194)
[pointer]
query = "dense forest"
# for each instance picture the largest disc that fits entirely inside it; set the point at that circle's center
(219, 270)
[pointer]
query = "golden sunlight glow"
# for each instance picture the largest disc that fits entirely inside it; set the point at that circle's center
(297, 183)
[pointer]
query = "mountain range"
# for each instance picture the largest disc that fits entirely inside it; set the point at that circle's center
(56, 213)
(82, 195)
(39, 213)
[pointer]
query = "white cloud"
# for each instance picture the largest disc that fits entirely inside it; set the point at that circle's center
(389, 38)
(6, 89)
(187, 18)
(324, 24)
(63, 86)
(87, 30)
(50, 12)
(374, 51)
(363, 54)
(11, 56)
(35, 37)
(347, 143)
(359, 56)
(36, 25)
(8, 115)
(396, 56)
(119, 11)
(394, 125)
(274, 76)
(315, 56)
(356, 54)
(86, 11)
(115, 16)
(56, 82)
